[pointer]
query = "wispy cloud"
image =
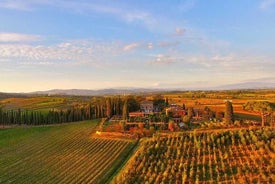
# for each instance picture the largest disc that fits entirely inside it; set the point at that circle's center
(127, 14)
(222, 58)
(116, 10)
(166, 59)
(168, 43)
(262, 79)
(137, 16)
(15, 4)
(180, 31)
(74, 53)
(150, 45)
(17, 37)
(138, 45)
(131, 46)
(267, 4)
(231, 62)
(187, 5)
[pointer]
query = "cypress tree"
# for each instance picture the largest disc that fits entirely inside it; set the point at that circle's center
(166, 102)
(183, 106)
(118, 106)
(19, 116)
(228, 115)
(190, 112)
(108, 108)
(125, 110)
(1, 115)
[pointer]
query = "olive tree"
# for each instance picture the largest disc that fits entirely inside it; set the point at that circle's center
(264, 108)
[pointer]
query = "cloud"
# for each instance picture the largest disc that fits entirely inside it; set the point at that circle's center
(136, 45)
(15, 4)
(131, 46)
(222, 58)
(179, 31)
(156, 84)
(168, 43)
(17, 37)
(211, 44)
(262, 79)
(227, 64)
(73, 53)
(136, 16)
(165, 59)
(116, 10)
(150, 45)
(267, 4)
(187, 5)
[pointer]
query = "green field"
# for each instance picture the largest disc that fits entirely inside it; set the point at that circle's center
(59, 154)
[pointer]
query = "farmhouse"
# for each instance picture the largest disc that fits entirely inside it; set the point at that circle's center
(147, 107)
(197, 114)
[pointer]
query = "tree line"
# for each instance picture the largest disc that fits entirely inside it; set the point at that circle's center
(97, 108)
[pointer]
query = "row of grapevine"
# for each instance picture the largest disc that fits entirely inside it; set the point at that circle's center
(199, 157)
(63, 155)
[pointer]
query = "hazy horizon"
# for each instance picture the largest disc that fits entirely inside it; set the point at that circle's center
(103, 44)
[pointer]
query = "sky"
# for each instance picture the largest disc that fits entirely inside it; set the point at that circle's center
(96, 44)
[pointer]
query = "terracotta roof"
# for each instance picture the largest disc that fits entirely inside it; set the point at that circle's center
(146, 102)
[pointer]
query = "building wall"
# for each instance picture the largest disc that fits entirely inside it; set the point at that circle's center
(147, 106)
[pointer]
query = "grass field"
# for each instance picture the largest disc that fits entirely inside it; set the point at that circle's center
(59, 154)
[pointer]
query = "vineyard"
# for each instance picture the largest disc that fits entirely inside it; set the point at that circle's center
(59, 154)
(239, 156)
(35, 103)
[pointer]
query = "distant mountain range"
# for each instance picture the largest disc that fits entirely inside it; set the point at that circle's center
(86, 92)
(247, 85)
(129, 90)
(126, 91)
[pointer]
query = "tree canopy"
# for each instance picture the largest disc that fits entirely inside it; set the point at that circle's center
(263, 108)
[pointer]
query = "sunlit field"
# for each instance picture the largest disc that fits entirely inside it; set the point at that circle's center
(240, 156)
(59, 154)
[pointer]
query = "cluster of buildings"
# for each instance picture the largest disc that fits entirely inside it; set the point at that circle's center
(147, 108)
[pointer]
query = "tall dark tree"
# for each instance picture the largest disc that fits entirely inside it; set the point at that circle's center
(159, 102)
(133, 105)
(183, 106)
(125, 110)
(228, 114)
(108, 108)
(190, 112)
(118, 105)
(166, 101)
